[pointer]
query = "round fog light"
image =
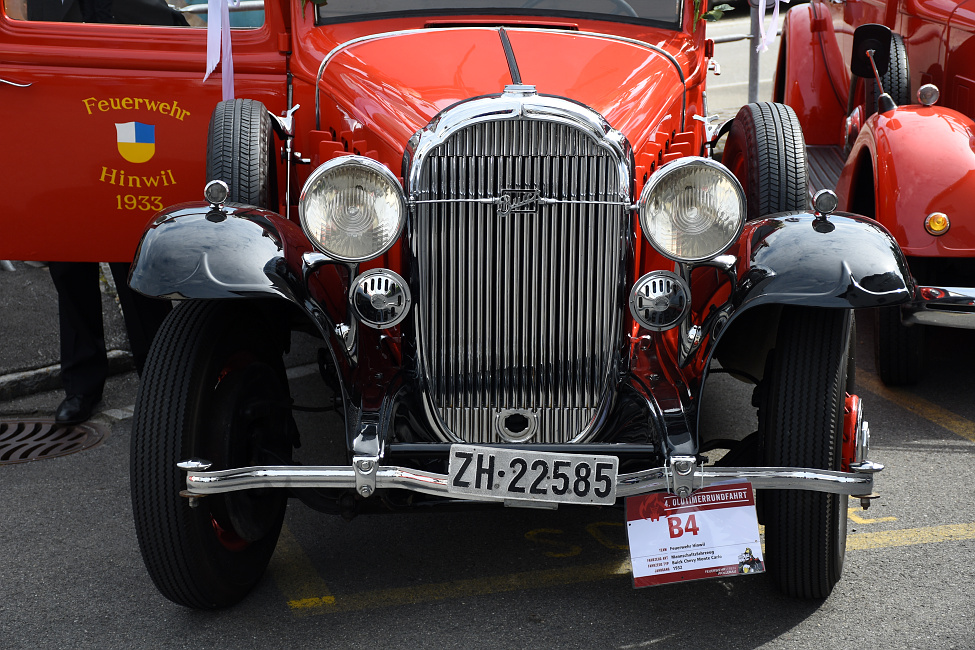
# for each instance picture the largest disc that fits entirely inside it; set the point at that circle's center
(937, 223)
(380, 298)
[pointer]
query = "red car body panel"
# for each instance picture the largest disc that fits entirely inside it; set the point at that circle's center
(904, 192)
(69, 194)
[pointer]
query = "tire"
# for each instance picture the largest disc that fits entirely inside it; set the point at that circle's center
(896, 81)
(240, 152)
(767, 153)
(899, 348)
(212, 389)
(801, 425)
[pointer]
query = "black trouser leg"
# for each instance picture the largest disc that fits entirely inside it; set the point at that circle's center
(84, 364)
(143, 316)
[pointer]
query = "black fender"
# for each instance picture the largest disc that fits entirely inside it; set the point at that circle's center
(194, 251)
(842, 261)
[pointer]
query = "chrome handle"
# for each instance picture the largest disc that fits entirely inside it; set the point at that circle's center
(13, 83)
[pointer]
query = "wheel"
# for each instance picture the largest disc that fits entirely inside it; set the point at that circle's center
(899, 348)
(800, 421)
(240, 152)
(213, 388)
(766, 151)
(896, 81)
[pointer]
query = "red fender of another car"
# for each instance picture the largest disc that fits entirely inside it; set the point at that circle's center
(802, 78)
(916, 160)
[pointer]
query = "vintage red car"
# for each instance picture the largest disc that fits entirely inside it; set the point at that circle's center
(910, 165)
(504, 224)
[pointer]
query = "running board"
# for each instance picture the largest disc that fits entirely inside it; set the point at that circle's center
(823, 167)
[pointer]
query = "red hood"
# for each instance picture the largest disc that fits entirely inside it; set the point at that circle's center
(394, 86)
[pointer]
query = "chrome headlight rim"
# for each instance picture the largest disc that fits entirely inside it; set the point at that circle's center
(353, 161)
(663, 174)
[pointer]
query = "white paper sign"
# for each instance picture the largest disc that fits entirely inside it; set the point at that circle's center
(712, 533)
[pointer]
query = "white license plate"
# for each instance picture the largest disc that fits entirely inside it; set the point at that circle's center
(532, 475)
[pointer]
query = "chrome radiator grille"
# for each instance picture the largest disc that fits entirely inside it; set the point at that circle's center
(519, 234)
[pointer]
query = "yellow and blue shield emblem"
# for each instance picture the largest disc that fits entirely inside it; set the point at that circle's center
(136, 141)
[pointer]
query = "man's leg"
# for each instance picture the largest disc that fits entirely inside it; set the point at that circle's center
(143, 316)
(84, 363)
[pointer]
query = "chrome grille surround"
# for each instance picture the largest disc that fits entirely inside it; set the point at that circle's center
(519, 226)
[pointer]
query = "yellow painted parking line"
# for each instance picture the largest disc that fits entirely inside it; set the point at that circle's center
(854, 514)
(927, 410)
(910, 537)
(308, 595)
(295, 575)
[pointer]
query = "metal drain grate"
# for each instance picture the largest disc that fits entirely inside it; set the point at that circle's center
(22, 441)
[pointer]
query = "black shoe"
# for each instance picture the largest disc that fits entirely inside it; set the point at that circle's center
(76, 409)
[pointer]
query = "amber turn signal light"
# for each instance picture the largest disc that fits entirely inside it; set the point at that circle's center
(937, 223)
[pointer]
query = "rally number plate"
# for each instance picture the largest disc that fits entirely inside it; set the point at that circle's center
(532, 475)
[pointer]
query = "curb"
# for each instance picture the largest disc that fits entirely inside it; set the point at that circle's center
(39, 380)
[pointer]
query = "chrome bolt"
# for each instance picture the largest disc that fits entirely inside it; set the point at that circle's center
(683, 467)
(365, 490)
(683, 492)
(365, 466)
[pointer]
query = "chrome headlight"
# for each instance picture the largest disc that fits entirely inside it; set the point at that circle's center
(352, 208)
(692, 209)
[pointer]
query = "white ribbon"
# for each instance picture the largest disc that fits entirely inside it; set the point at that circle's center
(218, 34)
(766, 36)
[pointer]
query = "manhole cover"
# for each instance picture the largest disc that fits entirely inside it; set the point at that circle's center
(22, 441)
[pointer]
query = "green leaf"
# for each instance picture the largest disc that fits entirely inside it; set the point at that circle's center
(717, 13)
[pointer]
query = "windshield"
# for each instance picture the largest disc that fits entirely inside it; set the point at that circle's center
(657, 12)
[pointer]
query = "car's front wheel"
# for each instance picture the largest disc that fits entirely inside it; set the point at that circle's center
(801, 425)
(213, 388)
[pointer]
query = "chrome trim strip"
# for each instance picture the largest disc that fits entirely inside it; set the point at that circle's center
(509, 54)
(201, 483)
(956, 308)
(497, 201)
(14, 83)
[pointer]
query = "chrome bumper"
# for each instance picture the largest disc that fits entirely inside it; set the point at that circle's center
(203, 483)
(942, 306)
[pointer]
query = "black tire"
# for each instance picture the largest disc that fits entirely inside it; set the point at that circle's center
(240, 152)
(801, 425)
(899, 348)
(767, 153)
(896, 81)
(213, 388)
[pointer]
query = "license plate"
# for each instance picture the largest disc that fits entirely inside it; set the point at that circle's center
(532, 475)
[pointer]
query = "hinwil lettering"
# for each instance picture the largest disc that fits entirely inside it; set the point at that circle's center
(117, 177)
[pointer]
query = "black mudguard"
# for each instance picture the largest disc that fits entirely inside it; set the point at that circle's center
(840, 261)
(194, 251)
